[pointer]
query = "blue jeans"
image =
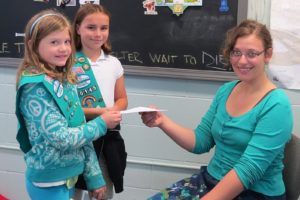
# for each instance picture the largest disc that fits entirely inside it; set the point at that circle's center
(60, 192)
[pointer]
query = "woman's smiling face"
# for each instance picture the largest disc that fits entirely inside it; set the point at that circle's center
(249, 57)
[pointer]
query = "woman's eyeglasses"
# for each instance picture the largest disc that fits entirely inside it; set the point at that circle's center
(250, 54)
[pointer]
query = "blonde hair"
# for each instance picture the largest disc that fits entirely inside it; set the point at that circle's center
(83, 11)
(38, 27)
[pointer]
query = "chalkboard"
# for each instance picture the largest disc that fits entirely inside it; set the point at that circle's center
(161, 44)
(14, 15)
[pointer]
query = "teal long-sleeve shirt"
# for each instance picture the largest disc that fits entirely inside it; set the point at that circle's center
(58, 151)
(252, 144)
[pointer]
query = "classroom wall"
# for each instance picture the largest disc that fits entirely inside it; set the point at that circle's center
(154, 161)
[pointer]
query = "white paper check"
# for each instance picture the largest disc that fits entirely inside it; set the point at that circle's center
(140, 109)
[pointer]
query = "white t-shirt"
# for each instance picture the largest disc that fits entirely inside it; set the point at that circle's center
(107, 70)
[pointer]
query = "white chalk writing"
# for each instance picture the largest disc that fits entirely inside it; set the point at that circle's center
(128, 56)
(202, 59)
(162, 58)
(6, 48)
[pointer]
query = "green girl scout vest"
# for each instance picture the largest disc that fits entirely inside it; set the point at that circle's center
(88, 90)
(64, 95)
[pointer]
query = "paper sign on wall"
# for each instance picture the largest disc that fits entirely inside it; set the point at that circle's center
(177, 6)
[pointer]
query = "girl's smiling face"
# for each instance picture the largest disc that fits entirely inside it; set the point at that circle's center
(93, 31)
(55, 48)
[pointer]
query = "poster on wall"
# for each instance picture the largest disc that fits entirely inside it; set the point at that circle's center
(177, 6)
(284, 68)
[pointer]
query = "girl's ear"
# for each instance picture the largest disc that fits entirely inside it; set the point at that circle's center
(29, 43)
(268, 55)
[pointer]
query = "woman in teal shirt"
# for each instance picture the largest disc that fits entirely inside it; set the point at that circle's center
(249, 123)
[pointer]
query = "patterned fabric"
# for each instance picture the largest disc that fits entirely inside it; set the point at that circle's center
(198, 185)
(187, 189)
(58, 151)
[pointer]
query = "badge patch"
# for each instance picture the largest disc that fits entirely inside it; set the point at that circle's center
(78, 70)
(86, 67)
(83, 80)
(58, 88)
(81, 59)
(87, 101)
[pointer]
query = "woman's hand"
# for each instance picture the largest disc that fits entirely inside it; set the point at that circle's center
(152, 119)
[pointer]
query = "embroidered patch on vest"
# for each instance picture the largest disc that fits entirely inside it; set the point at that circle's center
(58, 88)
(83, 80)
(87, 101)
(86, 67)
(81, 59)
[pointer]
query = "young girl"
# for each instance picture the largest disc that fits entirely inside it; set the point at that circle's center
(101, 88)
(52, 130)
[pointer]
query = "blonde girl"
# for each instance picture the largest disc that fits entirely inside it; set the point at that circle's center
(52, 130)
